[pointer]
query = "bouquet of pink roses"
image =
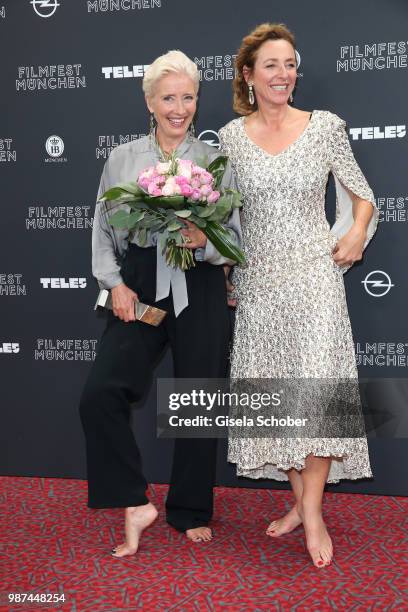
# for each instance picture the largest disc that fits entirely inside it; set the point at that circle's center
(169, 192)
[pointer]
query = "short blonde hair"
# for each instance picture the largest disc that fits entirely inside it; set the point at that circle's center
(247, 55)
(172, 61)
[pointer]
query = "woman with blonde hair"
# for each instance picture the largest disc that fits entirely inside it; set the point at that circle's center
(196, 327)
(292, 322)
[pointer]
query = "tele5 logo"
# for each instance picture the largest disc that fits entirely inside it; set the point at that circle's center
(376, 133)
(9, 347)
(63, 283)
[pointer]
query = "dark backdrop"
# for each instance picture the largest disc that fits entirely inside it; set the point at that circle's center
(72, 69)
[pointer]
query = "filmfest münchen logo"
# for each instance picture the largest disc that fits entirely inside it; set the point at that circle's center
(58, 217)
(393, 208)
(12, 284)
(382, 354)
(377, 283)
(373, 56)
(104, 6)
(65, 349)
(50, 76)
(45, 8)
(106, 143)
(210, 137)
(7, 151)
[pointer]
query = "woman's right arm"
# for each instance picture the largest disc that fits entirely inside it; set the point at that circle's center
(105, 267)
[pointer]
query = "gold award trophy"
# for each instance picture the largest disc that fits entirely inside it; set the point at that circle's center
(143, 312)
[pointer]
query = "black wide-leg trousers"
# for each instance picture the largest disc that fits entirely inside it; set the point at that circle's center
(199, 339)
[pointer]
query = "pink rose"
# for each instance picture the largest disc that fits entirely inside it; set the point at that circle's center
(196, 195)
(162, 167)
(153, 189)
(168, 189)
(143, 182)
(184, 167)
(196, 169)
(205, 190)
(195, 183)
(181, 180)
(186, 190)
(213, 197)
(205, 178)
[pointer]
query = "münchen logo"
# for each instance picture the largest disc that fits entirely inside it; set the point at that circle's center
(377, 283)
(210, 137)
(45, 8)
(54, 146)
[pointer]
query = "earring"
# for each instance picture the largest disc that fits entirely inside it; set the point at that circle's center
(251, 97)
(152, 124)
(191, 129)
(291, 98)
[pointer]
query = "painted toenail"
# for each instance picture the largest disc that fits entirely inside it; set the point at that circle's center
(320, 563)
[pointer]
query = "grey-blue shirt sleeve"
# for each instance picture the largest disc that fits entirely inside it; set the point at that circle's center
(209, 253)
(105, 249)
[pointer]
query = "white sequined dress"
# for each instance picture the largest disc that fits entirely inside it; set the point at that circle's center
(292, 319)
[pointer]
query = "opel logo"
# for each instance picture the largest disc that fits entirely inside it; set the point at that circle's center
(210, 137)
(45, 8)
(377, 283)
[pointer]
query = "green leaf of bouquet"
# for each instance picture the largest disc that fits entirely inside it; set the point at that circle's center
(113, 194)
(152, 224)
(174, 225)
(172, 202)
(221, 213)
(205, 211)
(178, 238)
(142, 236)
(135, 217)
(138, 205)
(183, 213)
(119, 219)
(235, 197)
(217, 168)
(131, 188)
(223, 242)
(198, 221)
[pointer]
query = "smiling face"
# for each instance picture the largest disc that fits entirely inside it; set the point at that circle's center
(274, 73)
(173, 103)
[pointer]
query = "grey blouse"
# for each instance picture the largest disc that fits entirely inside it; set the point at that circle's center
(109, 245)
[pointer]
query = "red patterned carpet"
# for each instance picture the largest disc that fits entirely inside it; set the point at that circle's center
(53, 544)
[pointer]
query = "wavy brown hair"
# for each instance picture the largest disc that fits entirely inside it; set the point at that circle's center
(247, 54)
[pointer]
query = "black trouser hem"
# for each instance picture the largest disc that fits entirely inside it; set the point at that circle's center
(184, 528)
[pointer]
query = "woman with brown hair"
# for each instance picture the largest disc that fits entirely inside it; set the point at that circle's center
(292, 321)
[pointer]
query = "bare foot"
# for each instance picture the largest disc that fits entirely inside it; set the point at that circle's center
(137, 518)
(199, 534)
(318, 541)
(286, 524)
